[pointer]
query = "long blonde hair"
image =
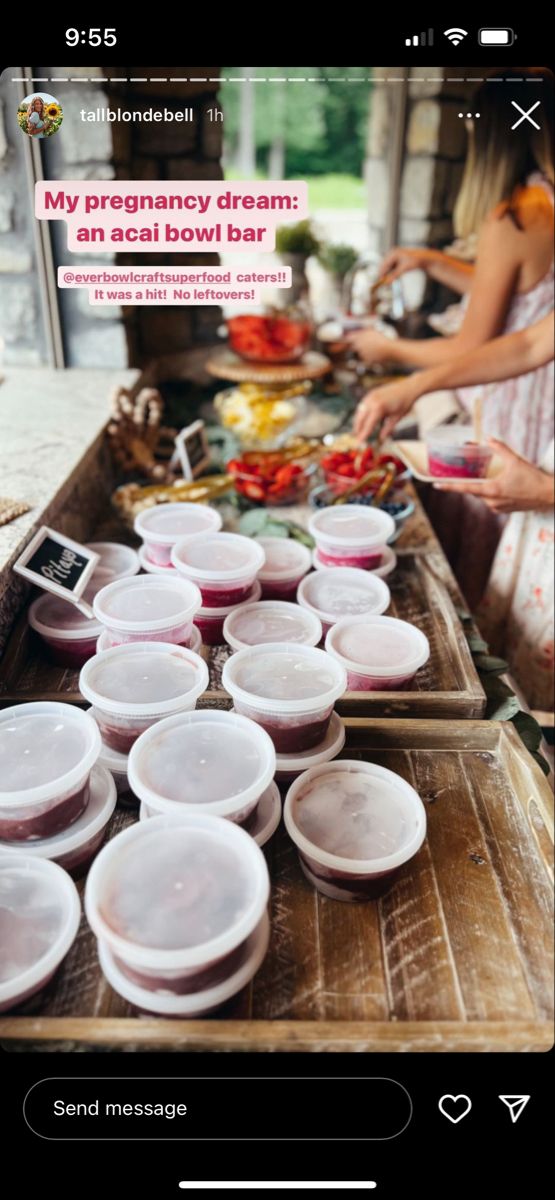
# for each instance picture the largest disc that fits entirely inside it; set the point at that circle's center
(31, 108)
(500, 160)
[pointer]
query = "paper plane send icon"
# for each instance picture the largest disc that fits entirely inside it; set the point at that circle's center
(515, 1105)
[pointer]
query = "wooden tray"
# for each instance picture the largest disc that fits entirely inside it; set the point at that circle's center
(457, 956)
(448, 686)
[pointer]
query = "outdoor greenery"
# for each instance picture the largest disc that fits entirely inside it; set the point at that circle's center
(297, 239)
(311, 130)
(53, 117)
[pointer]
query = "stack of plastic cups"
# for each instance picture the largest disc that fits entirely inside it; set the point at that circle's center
(179, 907)
(224, 566)
(55, 798)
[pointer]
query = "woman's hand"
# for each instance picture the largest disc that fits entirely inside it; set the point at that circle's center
(402, 259)
(383, 406)
(371, 346)
(520, 486)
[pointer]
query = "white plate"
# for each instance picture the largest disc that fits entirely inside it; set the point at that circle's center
(415, 456)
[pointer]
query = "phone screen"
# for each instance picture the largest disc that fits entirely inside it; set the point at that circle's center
(276, 820)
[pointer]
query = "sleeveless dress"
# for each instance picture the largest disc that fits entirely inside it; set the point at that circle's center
(517, 411)
(520, 411)
(516, 615)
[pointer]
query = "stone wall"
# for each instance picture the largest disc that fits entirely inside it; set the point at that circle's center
(433, 159)
(172, 150)
(93, 336)
(104, 336)
(20, 323)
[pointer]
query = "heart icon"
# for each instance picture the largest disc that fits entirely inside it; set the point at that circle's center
(455, 1108)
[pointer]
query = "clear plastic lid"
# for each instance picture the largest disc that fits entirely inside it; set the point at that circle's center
(332, 745)
(114, 761)
(177, 891)
(378, 646)
(219, 557)
(39, 919)
(387, 565)
(189, 1004)
(117, 561)
(146, 603)
(166, 523)
(271, 621)
(204, 757)
(46, 748)
(355, 815)
(279, 678)
(343, 591)
(142, 678)
(286, 558)
(61, 620)
(351, 526)
(219, 613)
(102, 802)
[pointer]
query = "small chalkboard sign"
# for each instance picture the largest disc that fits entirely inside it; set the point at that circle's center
(193, 450)
(58, 564)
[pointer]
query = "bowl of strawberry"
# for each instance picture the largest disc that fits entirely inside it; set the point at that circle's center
(272, 338)
(271, 479)
(343, 468)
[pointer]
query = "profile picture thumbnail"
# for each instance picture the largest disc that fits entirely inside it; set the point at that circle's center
(40, 115)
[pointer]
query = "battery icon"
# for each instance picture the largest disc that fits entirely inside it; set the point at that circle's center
(496, 37)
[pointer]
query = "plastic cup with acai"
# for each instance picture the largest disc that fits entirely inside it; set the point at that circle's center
(133, 686)
(175, 898)
(47, 752)
(453, 453)
(74, 848)
(289, 766)
(355, 825)
(271, 621)
(209, 760)
(351, 535)
(210, 621)
(262, 823)
(69, 636)
(341, 591)
(378, 653)
(200, 1002)
(287, 562)
(288, 689)
(148, 608)
(223, 565)
(161, 526)
(39, 915)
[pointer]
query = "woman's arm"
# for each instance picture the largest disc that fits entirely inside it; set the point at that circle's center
(502, 358)
(444, 268)
(498, 262)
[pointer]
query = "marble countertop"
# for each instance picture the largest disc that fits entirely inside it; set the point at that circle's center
(49, 420)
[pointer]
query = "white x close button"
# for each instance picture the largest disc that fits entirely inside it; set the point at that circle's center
(525, 115)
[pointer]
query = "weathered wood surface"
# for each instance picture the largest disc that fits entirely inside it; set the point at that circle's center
(457, 956)
(447, 686)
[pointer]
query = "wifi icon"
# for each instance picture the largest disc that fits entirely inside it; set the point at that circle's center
(455, 35)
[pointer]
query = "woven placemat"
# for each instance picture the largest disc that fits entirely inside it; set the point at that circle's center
(10, 509)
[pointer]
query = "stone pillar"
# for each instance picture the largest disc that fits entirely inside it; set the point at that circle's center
(20, 325)
(171, 150)
(434, 153)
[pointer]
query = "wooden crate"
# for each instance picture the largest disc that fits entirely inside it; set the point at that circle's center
(456, 957)
(448, 686)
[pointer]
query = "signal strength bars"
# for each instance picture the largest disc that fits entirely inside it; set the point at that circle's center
(421, 39)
